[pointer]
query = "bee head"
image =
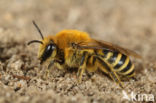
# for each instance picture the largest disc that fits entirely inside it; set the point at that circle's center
(48, 48)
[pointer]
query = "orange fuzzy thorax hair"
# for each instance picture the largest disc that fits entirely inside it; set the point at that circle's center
(64, 38)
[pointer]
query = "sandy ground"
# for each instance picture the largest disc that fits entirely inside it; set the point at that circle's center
(128, 23)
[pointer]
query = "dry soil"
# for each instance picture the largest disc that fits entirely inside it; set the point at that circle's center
(128, 23)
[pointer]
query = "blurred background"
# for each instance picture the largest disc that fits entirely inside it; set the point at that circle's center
(128, 23)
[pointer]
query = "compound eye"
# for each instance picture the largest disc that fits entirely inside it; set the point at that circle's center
(47, 53)
(49, 49)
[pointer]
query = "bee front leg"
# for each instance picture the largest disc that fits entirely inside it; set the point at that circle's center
(47, 72)
(58, 63)
(82, 67)
(51, 64)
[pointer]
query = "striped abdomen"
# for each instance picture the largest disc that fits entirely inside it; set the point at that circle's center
(119, 62)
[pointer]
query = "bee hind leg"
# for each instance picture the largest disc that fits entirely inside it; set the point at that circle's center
(113, 76)
(116, 78)
(109, 70)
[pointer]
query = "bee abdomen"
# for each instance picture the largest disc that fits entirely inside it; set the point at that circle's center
(120, 63)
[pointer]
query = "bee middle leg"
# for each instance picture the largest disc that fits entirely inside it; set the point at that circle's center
(82, 67)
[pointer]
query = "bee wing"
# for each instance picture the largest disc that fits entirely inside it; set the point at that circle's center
(96, 44)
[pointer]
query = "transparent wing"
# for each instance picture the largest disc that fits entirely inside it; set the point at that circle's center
(96, 44)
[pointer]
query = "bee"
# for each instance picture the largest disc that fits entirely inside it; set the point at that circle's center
(76, 49)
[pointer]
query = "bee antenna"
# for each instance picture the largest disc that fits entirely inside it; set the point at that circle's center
(35, 41)
(38, 29)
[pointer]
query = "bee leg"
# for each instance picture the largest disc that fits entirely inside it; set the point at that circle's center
(47, 72)
(56, 62)
(109, 70)
(116, 78)
(80, 73)
(51, 64)
(82, 67)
